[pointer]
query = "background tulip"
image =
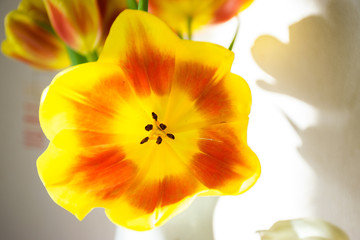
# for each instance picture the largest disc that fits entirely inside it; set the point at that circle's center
(180, 13)
(30, 38)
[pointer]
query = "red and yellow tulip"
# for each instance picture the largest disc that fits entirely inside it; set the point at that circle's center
(155, 122)
(77, 22)
(30, 39)
(38, 33)
(177, 13)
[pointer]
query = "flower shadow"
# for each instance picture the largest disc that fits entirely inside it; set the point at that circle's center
(320, 66)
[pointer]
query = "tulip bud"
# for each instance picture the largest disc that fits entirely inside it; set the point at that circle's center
(29, 41)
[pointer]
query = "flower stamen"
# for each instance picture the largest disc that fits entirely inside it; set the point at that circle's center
(155, 117)
(171, 136)
(144, 140)
(157, 132)
(149, 127)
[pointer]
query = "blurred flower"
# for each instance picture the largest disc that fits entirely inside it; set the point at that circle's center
(37, 34)
(177, 13)
(109, 10)
(77, 22)
(155, 122)
(30, 38)
(303, 229)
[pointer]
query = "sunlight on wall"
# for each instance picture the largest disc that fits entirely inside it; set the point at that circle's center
(286, 185)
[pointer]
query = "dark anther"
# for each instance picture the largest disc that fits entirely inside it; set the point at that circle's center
(158, 140)
(148, 127)
(154, 116)
(144, 140)
(162, 126)
(170, 136)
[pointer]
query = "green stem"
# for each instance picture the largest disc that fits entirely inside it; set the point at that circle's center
(143, 5)
(132, 4)
(92, 56)
(236, 33)
(180, 35)
(189, 25)
(75, 57)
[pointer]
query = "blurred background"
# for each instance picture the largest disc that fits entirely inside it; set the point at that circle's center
(301, 59)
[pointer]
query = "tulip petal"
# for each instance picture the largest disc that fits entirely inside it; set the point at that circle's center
(35, 9)
(205, 62)
(86, 179)
(303, 229)
(144, 47)
(109, 10)
(225, 163)
(176, 13)
(125, 214)
(75, 99)
(77, 23)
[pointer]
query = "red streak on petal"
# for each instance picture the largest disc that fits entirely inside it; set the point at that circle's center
(36, 40)
(146, 196)
(148, 68)
(214, 166)
(160, 71)
(90, 139)
(97, 108)
(229, 9)
(211, 171)
(31, 62)
(171, 189)
(215, 101)
(136, 70)
(194, 77)
(106, 173)
(62, 25)
(176, 188)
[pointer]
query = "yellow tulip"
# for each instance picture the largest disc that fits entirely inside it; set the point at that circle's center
(155, 122)
(29, 38)
(38, 34)
(303, 229)
(77, 22)
(177, 13)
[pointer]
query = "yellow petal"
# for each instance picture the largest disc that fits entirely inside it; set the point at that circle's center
(303, 228)
(143, 46)
(75, 99)
(35, 9)
(79, 184)
(109, 10)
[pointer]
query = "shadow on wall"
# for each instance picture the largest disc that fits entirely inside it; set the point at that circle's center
(321, 66)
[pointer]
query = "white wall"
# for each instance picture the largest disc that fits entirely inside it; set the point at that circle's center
(301, 59)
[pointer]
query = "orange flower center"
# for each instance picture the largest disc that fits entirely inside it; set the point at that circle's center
(157, 132)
